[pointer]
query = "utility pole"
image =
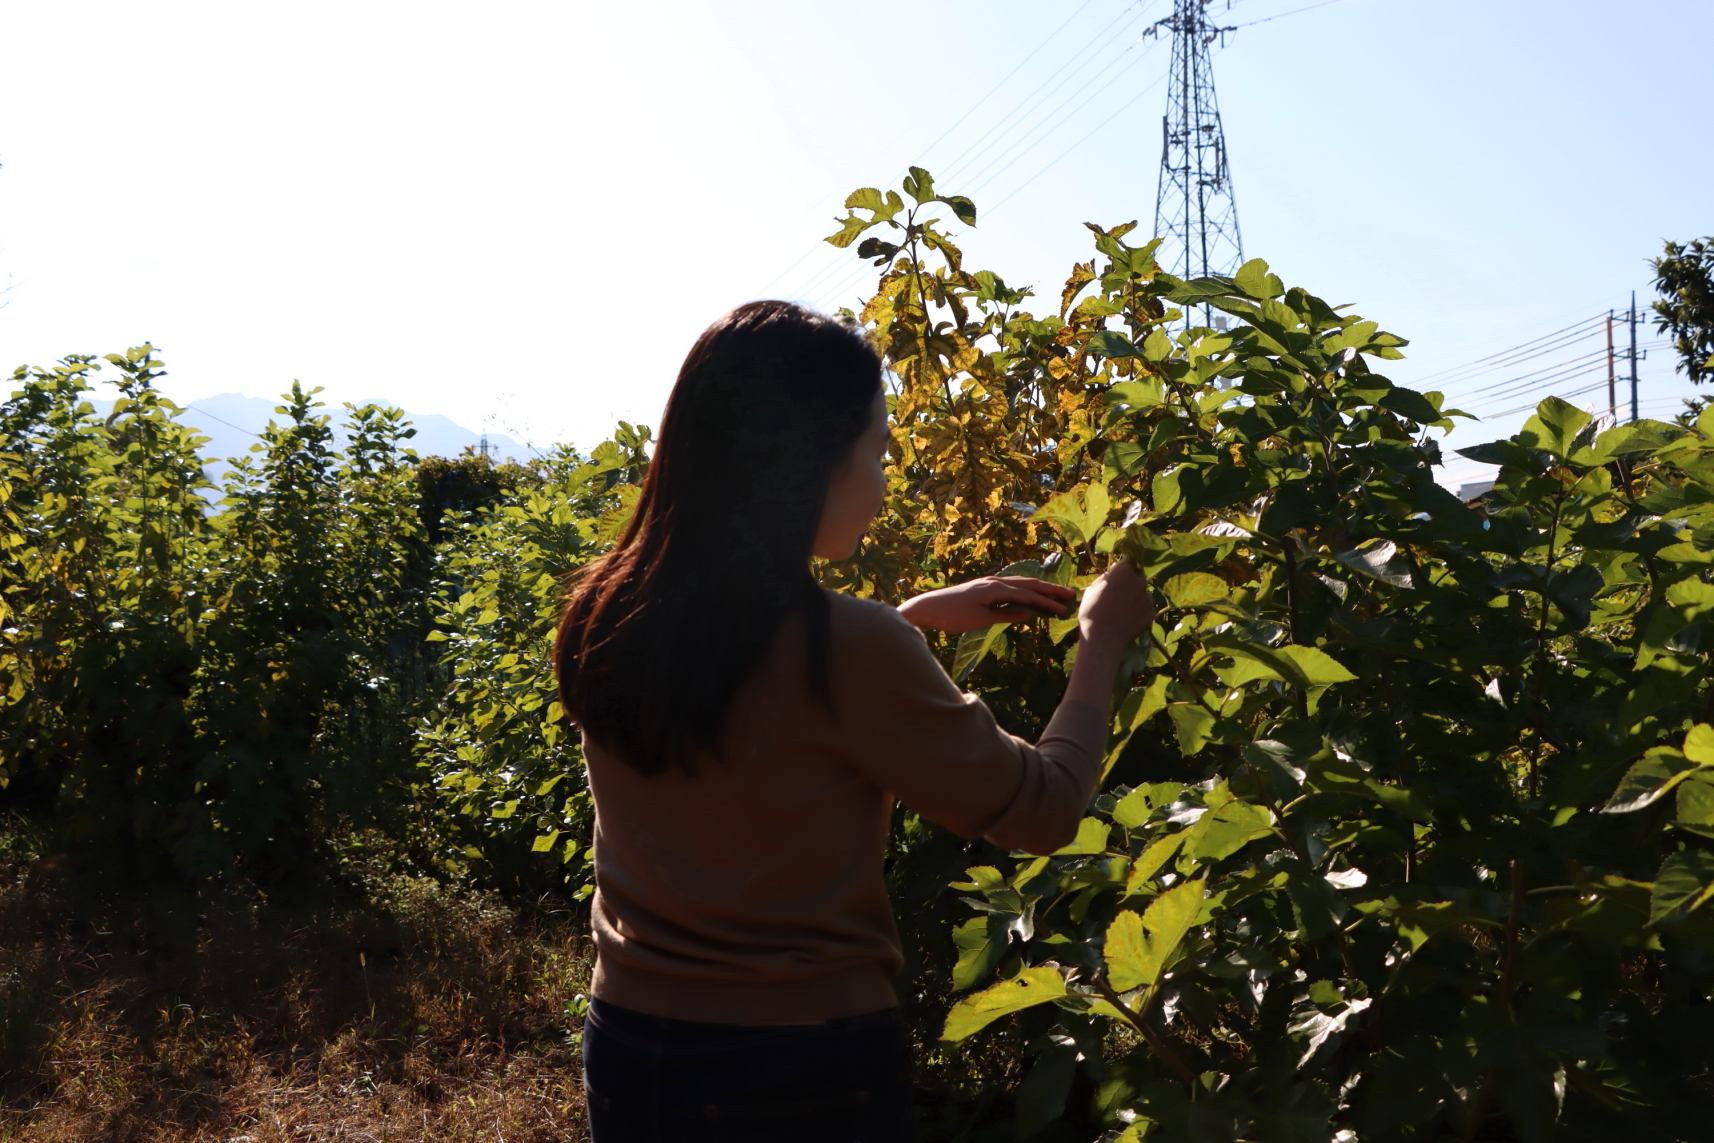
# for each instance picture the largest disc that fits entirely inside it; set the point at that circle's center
(1633, 355)
(1195, 210)
(1612, 395)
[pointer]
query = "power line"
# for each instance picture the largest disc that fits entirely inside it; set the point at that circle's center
(225, 422)
(1003, 129)
(990, 94)
(1126, 106)
(1283, 15)
(1020, 109)
(1601, 384)
(1518, 359)
(1091, 133)
(969, 111)
(1504, 353)
(1066, 119)
(1538, 377)
(1564, 371)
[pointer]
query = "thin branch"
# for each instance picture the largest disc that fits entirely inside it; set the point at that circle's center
(1156, 1042)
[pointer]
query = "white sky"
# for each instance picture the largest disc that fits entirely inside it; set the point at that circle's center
(520, 213)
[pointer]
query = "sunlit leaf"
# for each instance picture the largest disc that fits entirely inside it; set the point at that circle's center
(1138, 948)
(1030, 987)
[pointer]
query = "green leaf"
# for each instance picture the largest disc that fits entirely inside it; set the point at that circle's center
(1509, 453)
(1143, 704)
(1314, 666)
(1685, 881)
(1410, 403)
(1133, 809)
(962, 207)
(1152, 860)
(1194, 726)
(1042, 1095)
(1418, 921)
(1123, 458)
(1106, 343)
(545, 842)
(919, 184)
(1653, 776)
(1157, 346)
(868, 198)
(1139, 948)
(1224, 831)
(1379, 559)
(1030, 987)
(1144, 393)
(1554, 427)
(1091, 838)
(849, 228)
(982, 943)
(1306, 667)
(1077, 514)
(1696, 805)
(1694, 600)
(1194, 589)
(1253, 278)
(1620, 440)
(1165, 490)
(1317, 905)
(1278, 762)
(974, 646)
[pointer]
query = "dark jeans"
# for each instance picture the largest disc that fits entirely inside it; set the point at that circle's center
(651, 1080)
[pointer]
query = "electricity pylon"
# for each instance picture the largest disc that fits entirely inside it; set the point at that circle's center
(1195, 211)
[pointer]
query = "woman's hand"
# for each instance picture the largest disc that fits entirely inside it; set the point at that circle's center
(985, 602)
(1116, 609)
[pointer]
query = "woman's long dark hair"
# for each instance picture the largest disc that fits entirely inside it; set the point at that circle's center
(658, 634)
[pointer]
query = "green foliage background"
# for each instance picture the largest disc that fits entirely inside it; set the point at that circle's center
(1405, 829)
(1404, 832)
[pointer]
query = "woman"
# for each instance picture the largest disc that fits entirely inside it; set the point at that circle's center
(746, 733)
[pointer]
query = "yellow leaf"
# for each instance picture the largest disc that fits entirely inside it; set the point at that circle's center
(1139, 948)
(1699, 744)
(1193, 589)
(1091, 838)
(1152, 861)
(1027, 989)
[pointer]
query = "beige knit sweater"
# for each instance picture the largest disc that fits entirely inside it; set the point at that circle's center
(750, 892)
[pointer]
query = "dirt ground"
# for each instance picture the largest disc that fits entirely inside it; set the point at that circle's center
(421, 1013)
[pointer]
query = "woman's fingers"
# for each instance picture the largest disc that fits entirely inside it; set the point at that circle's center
(1039, 586)
(1118, 605)
(1002, 595)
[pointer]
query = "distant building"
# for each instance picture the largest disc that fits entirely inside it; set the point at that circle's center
(1468, 492)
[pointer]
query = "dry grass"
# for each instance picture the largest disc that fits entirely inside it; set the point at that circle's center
(423, 1013)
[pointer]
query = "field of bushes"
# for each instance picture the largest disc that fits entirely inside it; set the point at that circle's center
(1406, 831)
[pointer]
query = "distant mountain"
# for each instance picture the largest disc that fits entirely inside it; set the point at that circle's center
(232, 422)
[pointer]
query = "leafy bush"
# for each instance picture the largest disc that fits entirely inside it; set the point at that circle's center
(505, 762)
(466, 484)
(200, 694)
(1406, 821)
(1405, 827)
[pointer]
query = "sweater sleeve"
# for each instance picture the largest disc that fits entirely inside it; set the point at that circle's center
(911, 731)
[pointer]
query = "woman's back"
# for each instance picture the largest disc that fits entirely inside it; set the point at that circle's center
(749, 890)
(746, 734)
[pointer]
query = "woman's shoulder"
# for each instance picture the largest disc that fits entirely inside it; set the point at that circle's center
(857, 613)
(868, 624)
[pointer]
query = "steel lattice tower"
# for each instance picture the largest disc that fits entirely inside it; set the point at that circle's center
(1195, 211)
